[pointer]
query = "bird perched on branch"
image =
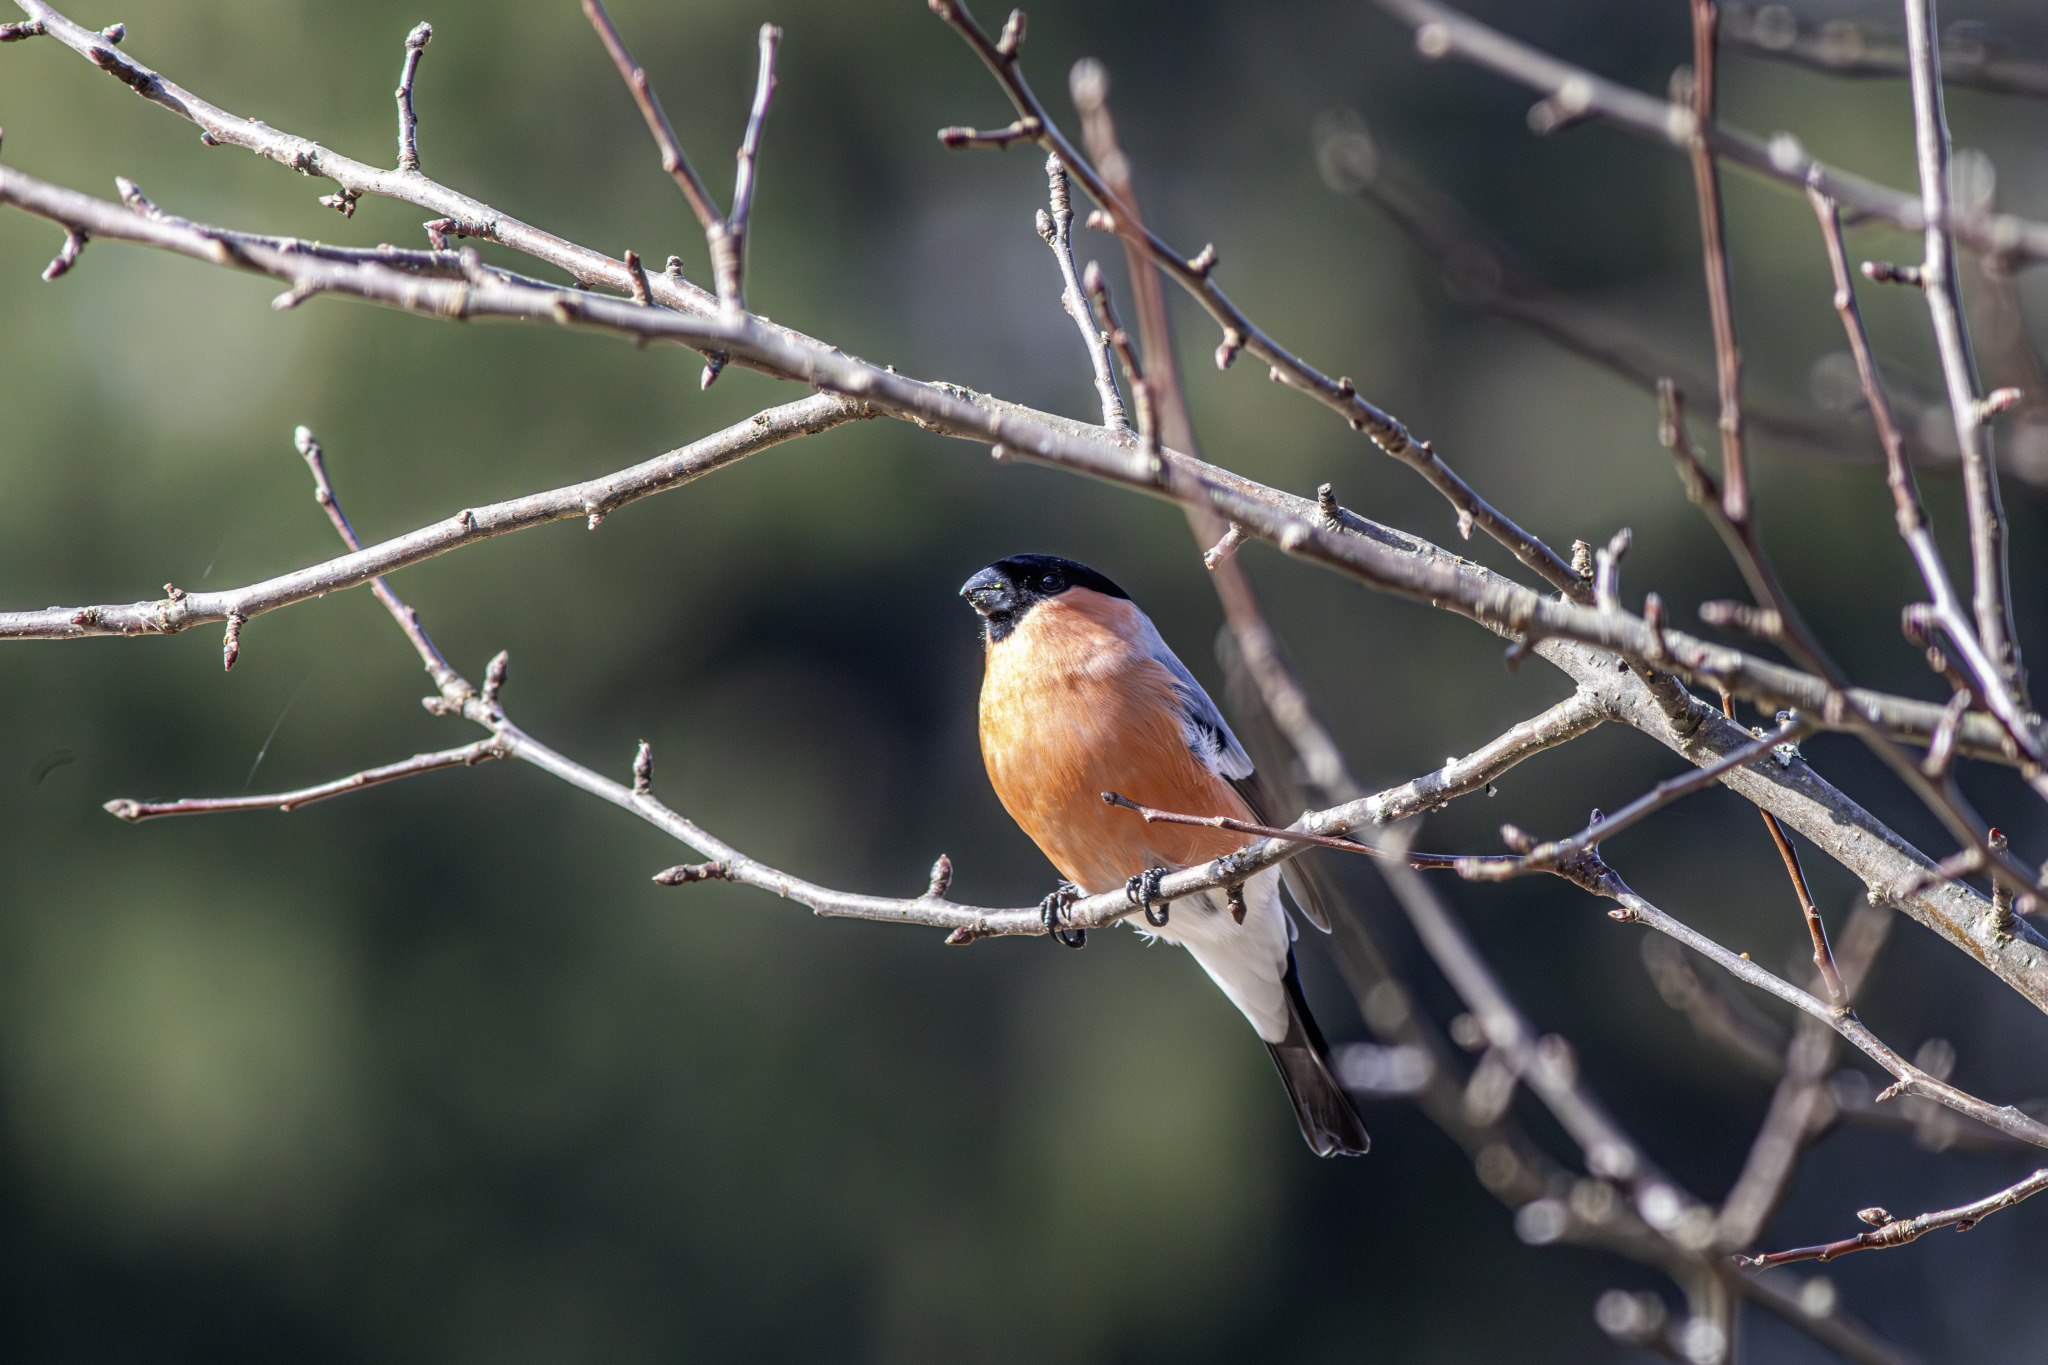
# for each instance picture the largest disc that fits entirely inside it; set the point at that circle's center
(1082, 697)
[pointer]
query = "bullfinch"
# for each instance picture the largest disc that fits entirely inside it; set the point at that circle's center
(1081, 696)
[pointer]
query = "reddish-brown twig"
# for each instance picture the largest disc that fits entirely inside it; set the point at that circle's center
(1896, 1232)
(1823, 956)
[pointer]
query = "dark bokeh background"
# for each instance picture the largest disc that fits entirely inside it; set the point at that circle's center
(435, 1074)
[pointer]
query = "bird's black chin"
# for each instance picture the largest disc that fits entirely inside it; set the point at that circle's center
(1000, 624)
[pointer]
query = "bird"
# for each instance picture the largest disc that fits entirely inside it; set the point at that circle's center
(1081, 697)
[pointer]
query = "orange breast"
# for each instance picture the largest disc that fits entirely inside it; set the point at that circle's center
(1070, 709)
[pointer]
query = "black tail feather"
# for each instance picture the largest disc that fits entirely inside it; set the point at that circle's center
(1328, 1122)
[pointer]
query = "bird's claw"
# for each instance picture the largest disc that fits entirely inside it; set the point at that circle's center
(1053, 906)
(1143, 891)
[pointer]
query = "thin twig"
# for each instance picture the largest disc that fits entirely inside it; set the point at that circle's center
(673, 161)
(408, 125)
(729, 248)
(1892, 1232)
(468, 755)
(1823, 956)
(1706, 179)
(1056, 227)
(408, 619)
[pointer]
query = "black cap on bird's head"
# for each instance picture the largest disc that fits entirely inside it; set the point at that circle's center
(1009, 588)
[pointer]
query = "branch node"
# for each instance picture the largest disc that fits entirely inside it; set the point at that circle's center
(942, 879)
(1224, 548)
(342, 202)
(1997, 401)
(637, 274)
(714, 365)
(1761, 622)
(1012, 40)
(643, 770)
(1204, 261)
(1226, 353)
(1885, 272)
(494, 677)
(231, 641)
(684, 873)
(20, 29)
(67, 255)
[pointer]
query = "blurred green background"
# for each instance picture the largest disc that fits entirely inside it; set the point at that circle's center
(434, 1074)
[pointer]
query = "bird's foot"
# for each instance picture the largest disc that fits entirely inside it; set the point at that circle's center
(1143, 891)
(1053, 906)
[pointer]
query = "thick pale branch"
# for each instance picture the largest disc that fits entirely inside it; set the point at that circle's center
(1391, 560)
(1573, 93)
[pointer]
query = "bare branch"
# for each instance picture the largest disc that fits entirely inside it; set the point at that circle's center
(1378, 556)
(408, 125)
(1601, 880)
(729, 249)
(1338, 394)
(1441, 31)
(1844, 46)
(1991, 595)
(1892, 1232)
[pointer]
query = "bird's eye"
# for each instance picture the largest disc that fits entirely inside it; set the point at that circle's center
(1052, 582)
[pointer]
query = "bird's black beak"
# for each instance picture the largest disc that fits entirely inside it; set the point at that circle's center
(989, 593)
